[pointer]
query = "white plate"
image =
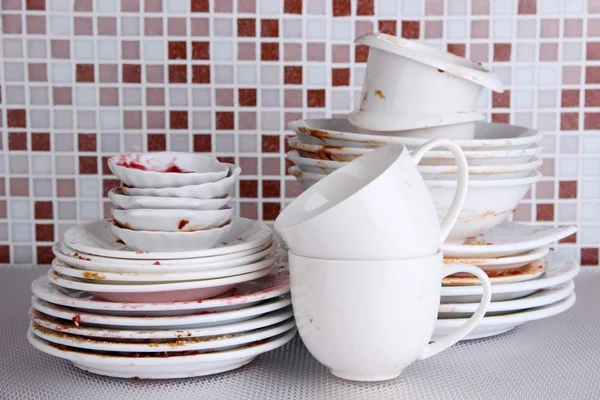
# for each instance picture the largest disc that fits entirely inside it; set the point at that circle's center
(493, 264)
(122, 278)
(179, 220)
(184, 366)
(93, 263)
(507, 239)
(121, 200)
(559, 270)
(538, 299)
(173, 242)
(158, 292)
(169, 345)
(166, 169)
(491, 326)
(97, 238)
(208, 190)
(60, 325)
(242, 294)
(177, 322)
(529, 272)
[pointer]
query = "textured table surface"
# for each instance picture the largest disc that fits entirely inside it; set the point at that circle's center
(556, 358)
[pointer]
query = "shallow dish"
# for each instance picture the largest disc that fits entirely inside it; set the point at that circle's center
(160, 367)
(208, 190)
(494, 264)
(243, 294)
(158, 292)
(172, 220)
(529, 272)
(170, 241)
(166, 169)
(118, 197)
(96, 238)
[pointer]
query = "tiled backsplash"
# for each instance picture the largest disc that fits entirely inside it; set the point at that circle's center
(81, 80)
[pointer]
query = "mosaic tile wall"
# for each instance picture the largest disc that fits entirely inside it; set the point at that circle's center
(84, 79)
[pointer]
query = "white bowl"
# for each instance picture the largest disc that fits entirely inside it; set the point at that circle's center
(340, 132)
(484, 156)
(145, 219)
(170, 241)
(125, 202)
(209, 190)
(166, 169)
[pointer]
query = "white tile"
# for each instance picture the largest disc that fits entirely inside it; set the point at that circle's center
(179, 142)
(20, 209)
(39, 119)
(315, 7)
(15, 95)
(548, 76)
(177, 6)
(130, 26)
(108, 49)
(247, 74)
(315, 28)
(591, 166)
(60, 5)
(201, 120)
(569, 252)
(133, 142)
(85, 96)
(341, 30)
(549, 7)
(88, 187)
(574, 7)
(591, 144)
(589, 235)
(178, 97)
(567, 212)
(61, 73)
(456, 29)
(110, 119)
(590, 211)
(269, 7)
(223, 73)
(83, 49)
(340, 100)
(223, 26)
(358, 75)
(154, 50)
(270, 121)
(482, 100)
(21, 232)
(504, 7)
(523, 98)
(590, 189)
(412, 8)
(388, 8)
(292, 28)
(13, 48)
(224, 143)
(526, 28)
(89, 210)
(14, 71)
(60, 25)
(38, 95)
(502, 29)
(41, 164)
(222, 50)
(547, 98)
(110, 142)
(270, 97)
(316, 75)
(269, 75)
(505, 74)
(63, 119)
(201, 97)
(568, 167)
(572, 51)
(86, 119)
(132, 96)
(36, 48)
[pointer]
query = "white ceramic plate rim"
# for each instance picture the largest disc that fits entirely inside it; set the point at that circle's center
(528, 272)
(529, 256)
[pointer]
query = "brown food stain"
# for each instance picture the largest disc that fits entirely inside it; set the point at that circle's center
(156, 263)
(93, 275)
(379, 94)
(440, 70)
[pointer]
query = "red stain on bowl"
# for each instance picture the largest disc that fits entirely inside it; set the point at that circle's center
(183, 223)
(129, 161)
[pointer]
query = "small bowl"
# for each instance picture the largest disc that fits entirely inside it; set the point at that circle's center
(118, 197)
(146, 219)
(209, 190)
(166, 169)
(170, 241)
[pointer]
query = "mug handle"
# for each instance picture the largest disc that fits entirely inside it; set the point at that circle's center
(447, 341)
(462, 172)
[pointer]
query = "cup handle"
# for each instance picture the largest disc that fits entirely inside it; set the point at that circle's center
(447, 341)
(463, 179)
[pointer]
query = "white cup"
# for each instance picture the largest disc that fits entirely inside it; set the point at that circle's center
(369, 320)
(376, 207)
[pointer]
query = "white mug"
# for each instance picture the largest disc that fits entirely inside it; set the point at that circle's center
(369, 320)
(376, 207)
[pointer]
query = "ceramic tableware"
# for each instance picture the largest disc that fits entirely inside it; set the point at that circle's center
(369, 320)
(376, 207)
(118, 197)
(177, 220)
(530, 271)
(166, 169)
(494, 264)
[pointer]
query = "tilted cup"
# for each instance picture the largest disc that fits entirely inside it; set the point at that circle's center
(376, 207)
(369, 320)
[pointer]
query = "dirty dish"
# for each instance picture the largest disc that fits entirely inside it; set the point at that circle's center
(529, 272)
(494, 264)
(176, 220)
(121, 200)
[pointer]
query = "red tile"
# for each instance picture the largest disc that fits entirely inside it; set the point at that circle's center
(269, 51)
(271, 188)
(361, 53)
(40, 141)
(2, 202)
(108, 185)
(501, 118)
(570, 98)
(177, 73)
(225, 120)
(458, 49)
(16, 118)
(591, 121)
(365, 7)
(502, 51)
(109, 73)
(589, 256)
(341, 8)
(292, 75)
(269, 28)
(202, 143)
(17, 141)
(132, 73)
(569, 121)
(567, 189)
(315, 98)
(65, 187)
(200, 51)
(292, 6)
(593, 51)
(569, 239)
(270, 144)
(44, 255)
(200, 73)
(340, 76)
(501, 100)
(43, 210)
(592, 98)
(247, 97)
(545, 212)
(388, 27)
(12, 23)
(157, 142)
(60, 49)
(83, 26)
(44, 233)
(88, 165)
(271, 210)
(130, 5)
(248, 188)
(246, 27)
(199, 5)
(527, 6)
(178, 119)
(411, 29)
(105, 169)
(592, 74)
(177, 50)
(228, 160)
(109, 96)
(62, 96)
(36, 5)
(84, 73)
(132, 119)
(86, 142)
(107, 26)
(19, 187)
(4, 254)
